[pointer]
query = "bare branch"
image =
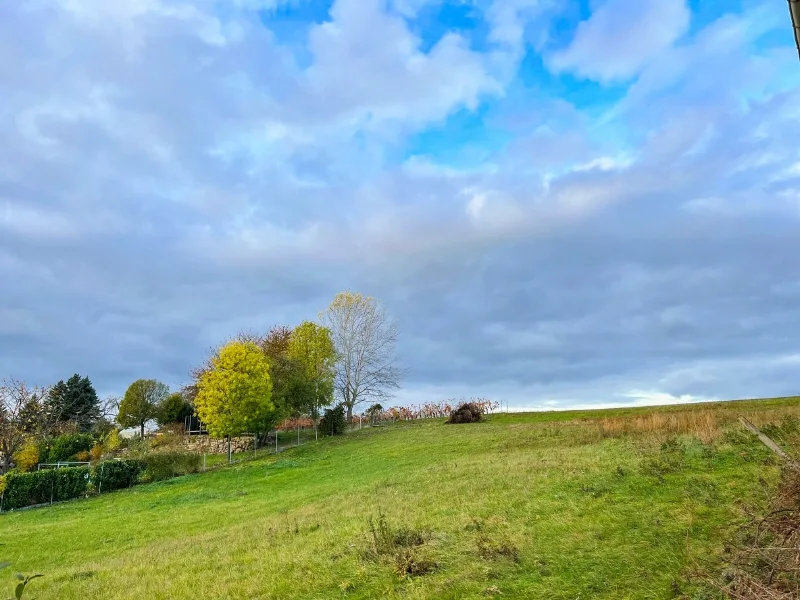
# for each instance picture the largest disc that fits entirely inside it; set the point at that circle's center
(365, 338)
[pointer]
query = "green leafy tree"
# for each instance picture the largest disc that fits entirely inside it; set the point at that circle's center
(174, 409)
(74, 401)
(234, 396)
(141, 402)
(311, 345)
(285, 373)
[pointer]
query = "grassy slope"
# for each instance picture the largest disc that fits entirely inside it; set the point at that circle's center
(588, 516)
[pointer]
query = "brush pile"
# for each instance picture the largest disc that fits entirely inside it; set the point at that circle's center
(469, 412)
(767, 556)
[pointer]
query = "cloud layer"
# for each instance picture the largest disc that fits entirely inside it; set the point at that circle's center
(560, 207)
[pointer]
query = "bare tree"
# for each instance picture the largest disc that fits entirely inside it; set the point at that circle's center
(365, 337)
(22, 414)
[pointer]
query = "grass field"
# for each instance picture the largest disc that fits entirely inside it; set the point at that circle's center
(592, 504)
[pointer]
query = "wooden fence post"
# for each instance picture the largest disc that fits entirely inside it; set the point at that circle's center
(769, 443)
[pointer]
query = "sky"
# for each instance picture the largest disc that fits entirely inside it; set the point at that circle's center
(562, 203)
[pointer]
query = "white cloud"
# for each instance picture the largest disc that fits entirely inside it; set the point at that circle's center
(369, 69)
(621, 37)
(169, 174)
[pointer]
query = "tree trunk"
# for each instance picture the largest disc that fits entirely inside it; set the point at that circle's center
(230, 453)
(142, 426)
(349, 413)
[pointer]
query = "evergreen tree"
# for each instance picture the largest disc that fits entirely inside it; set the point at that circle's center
(56, 401)
(75, 401)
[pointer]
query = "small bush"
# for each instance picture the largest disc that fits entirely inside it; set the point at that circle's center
(27, 457)
(333, 422)
(469, 412)
(67, 447)
(96, 453)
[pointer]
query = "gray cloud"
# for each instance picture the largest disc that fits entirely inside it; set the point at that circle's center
(169, 176)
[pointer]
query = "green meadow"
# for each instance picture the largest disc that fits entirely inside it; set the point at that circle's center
(580, 505)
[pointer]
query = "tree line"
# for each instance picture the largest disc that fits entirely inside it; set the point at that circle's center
(247, 385)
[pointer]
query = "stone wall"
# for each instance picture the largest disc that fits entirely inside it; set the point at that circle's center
(207, 445)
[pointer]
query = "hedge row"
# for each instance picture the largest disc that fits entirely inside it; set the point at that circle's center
(55, 485)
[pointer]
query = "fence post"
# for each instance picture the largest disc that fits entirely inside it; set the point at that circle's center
(769, 443)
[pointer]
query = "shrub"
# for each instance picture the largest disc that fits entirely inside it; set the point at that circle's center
(112, 441)
(116, 474)
(42, 487)
(27, 457)
(333, 422)
(166, 439)
(2, 484)
(173, 463)
(67, 447)
(97, 451)
(469, 412)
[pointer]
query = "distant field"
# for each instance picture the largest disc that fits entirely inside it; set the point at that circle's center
(623, 503)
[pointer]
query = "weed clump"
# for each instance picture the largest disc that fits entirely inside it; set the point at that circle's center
(401, 547)
(671, 459)
(490, 547)
(469, 412)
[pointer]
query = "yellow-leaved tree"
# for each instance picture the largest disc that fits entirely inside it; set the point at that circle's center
(311, 346)
(234, 395)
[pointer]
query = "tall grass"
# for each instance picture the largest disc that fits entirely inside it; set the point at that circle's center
(706, 424)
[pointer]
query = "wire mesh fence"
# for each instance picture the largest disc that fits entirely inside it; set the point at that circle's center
(299, 431)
